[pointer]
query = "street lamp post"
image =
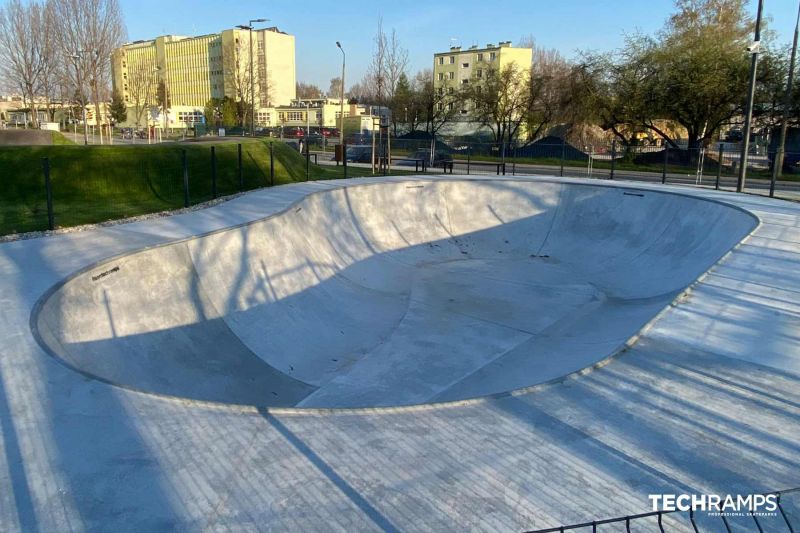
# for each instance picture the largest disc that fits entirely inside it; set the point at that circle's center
(341, 105)
(76, 56)
(748, 117)
(249, 28)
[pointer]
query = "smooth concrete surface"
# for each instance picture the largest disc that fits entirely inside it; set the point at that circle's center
(706, 400)
(391, 293)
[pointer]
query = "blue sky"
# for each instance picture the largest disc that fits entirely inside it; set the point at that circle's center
(423, 27)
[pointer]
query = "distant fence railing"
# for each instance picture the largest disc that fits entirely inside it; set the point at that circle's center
(716, 166)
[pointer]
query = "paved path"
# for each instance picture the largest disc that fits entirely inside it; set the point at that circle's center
(707, 400)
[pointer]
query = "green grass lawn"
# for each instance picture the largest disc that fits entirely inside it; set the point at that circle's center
(98, 183)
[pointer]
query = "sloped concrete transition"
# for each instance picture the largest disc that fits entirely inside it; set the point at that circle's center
(390, 294)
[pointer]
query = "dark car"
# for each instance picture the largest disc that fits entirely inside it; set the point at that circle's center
(358, 154)
(791, 154)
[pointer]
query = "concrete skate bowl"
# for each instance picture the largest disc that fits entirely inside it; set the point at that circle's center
(390, 294)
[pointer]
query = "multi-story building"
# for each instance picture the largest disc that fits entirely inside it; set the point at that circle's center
(454, 69)
(196, 69)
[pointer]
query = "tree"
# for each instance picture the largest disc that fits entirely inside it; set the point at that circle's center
(389, 61)
(620, 90)
(335, 89)
(26, 48)
(238, 86)
(308, 90)
(93, 29)
(230, 112)
(142, 81)
(213, 112)
(163, 96)
(693, 73)
(435, 107)
(119, 111)
(501, 102)
(703, 65)
(401, 102)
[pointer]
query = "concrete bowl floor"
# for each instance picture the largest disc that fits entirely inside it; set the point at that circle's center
(390, 294)
(705, 400)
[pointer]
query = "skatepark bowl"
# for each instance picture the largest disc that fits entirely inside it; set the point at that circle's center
(390, 294)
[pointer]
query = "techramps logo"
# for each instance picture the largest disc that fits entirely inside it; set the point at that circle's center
(716, 505)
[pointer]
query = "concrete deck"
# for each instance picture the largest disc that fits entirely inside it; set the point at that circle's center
(708, 399)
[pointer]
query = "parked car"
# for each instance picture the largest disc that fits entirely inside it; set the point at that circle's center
(358, 154)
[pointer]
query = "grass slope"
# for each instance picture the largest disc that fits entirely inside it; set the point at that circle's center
(97, 183)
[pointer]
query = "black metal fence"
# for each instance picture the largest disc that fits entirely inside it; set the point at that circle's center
(714, 167)
(786, 518)
(74, 186)
(79, 186)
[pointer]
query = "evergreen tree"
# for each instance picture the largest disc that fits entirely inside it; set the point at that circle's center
(119, 111)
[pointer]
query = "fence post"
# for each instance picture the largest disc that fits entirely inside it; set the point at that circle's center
(777, 163)
(469, 157)
(48, 190)
(514, 162)
(664, 167)
(185, 180)
(271, 165)
(344, 159)
(719, 164)
(241, 170)
(563, 154)
(613, 158)
(213, 171)
(503, 156)
(308, 158)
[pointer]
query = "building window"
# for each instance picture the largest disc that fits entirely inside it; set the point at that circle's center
(441, 91)
(480, 57)
(464, 82)
(451, 75)
(441, 76)
(452, 60)
(464, 65)
(464, 111)
(440, 106)
(450, 106)
(450, 90)
(479, 74)
(492, 55)
(441, 60)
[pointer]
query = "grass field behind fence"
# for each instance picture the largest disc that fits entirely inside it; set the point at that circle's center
(98, 183)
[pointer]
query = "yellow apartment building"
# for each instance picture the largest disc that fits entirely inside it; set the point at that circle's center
(454, 69)
(196, 69)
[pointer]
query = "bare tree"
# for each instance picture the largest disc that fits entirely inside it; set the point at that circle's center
(335, 89)
(142, 82)
(375, 78)
(25, 48)
(435, 107)
(502, 102)
(396, 63)
(91, 29)
(308, 90)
